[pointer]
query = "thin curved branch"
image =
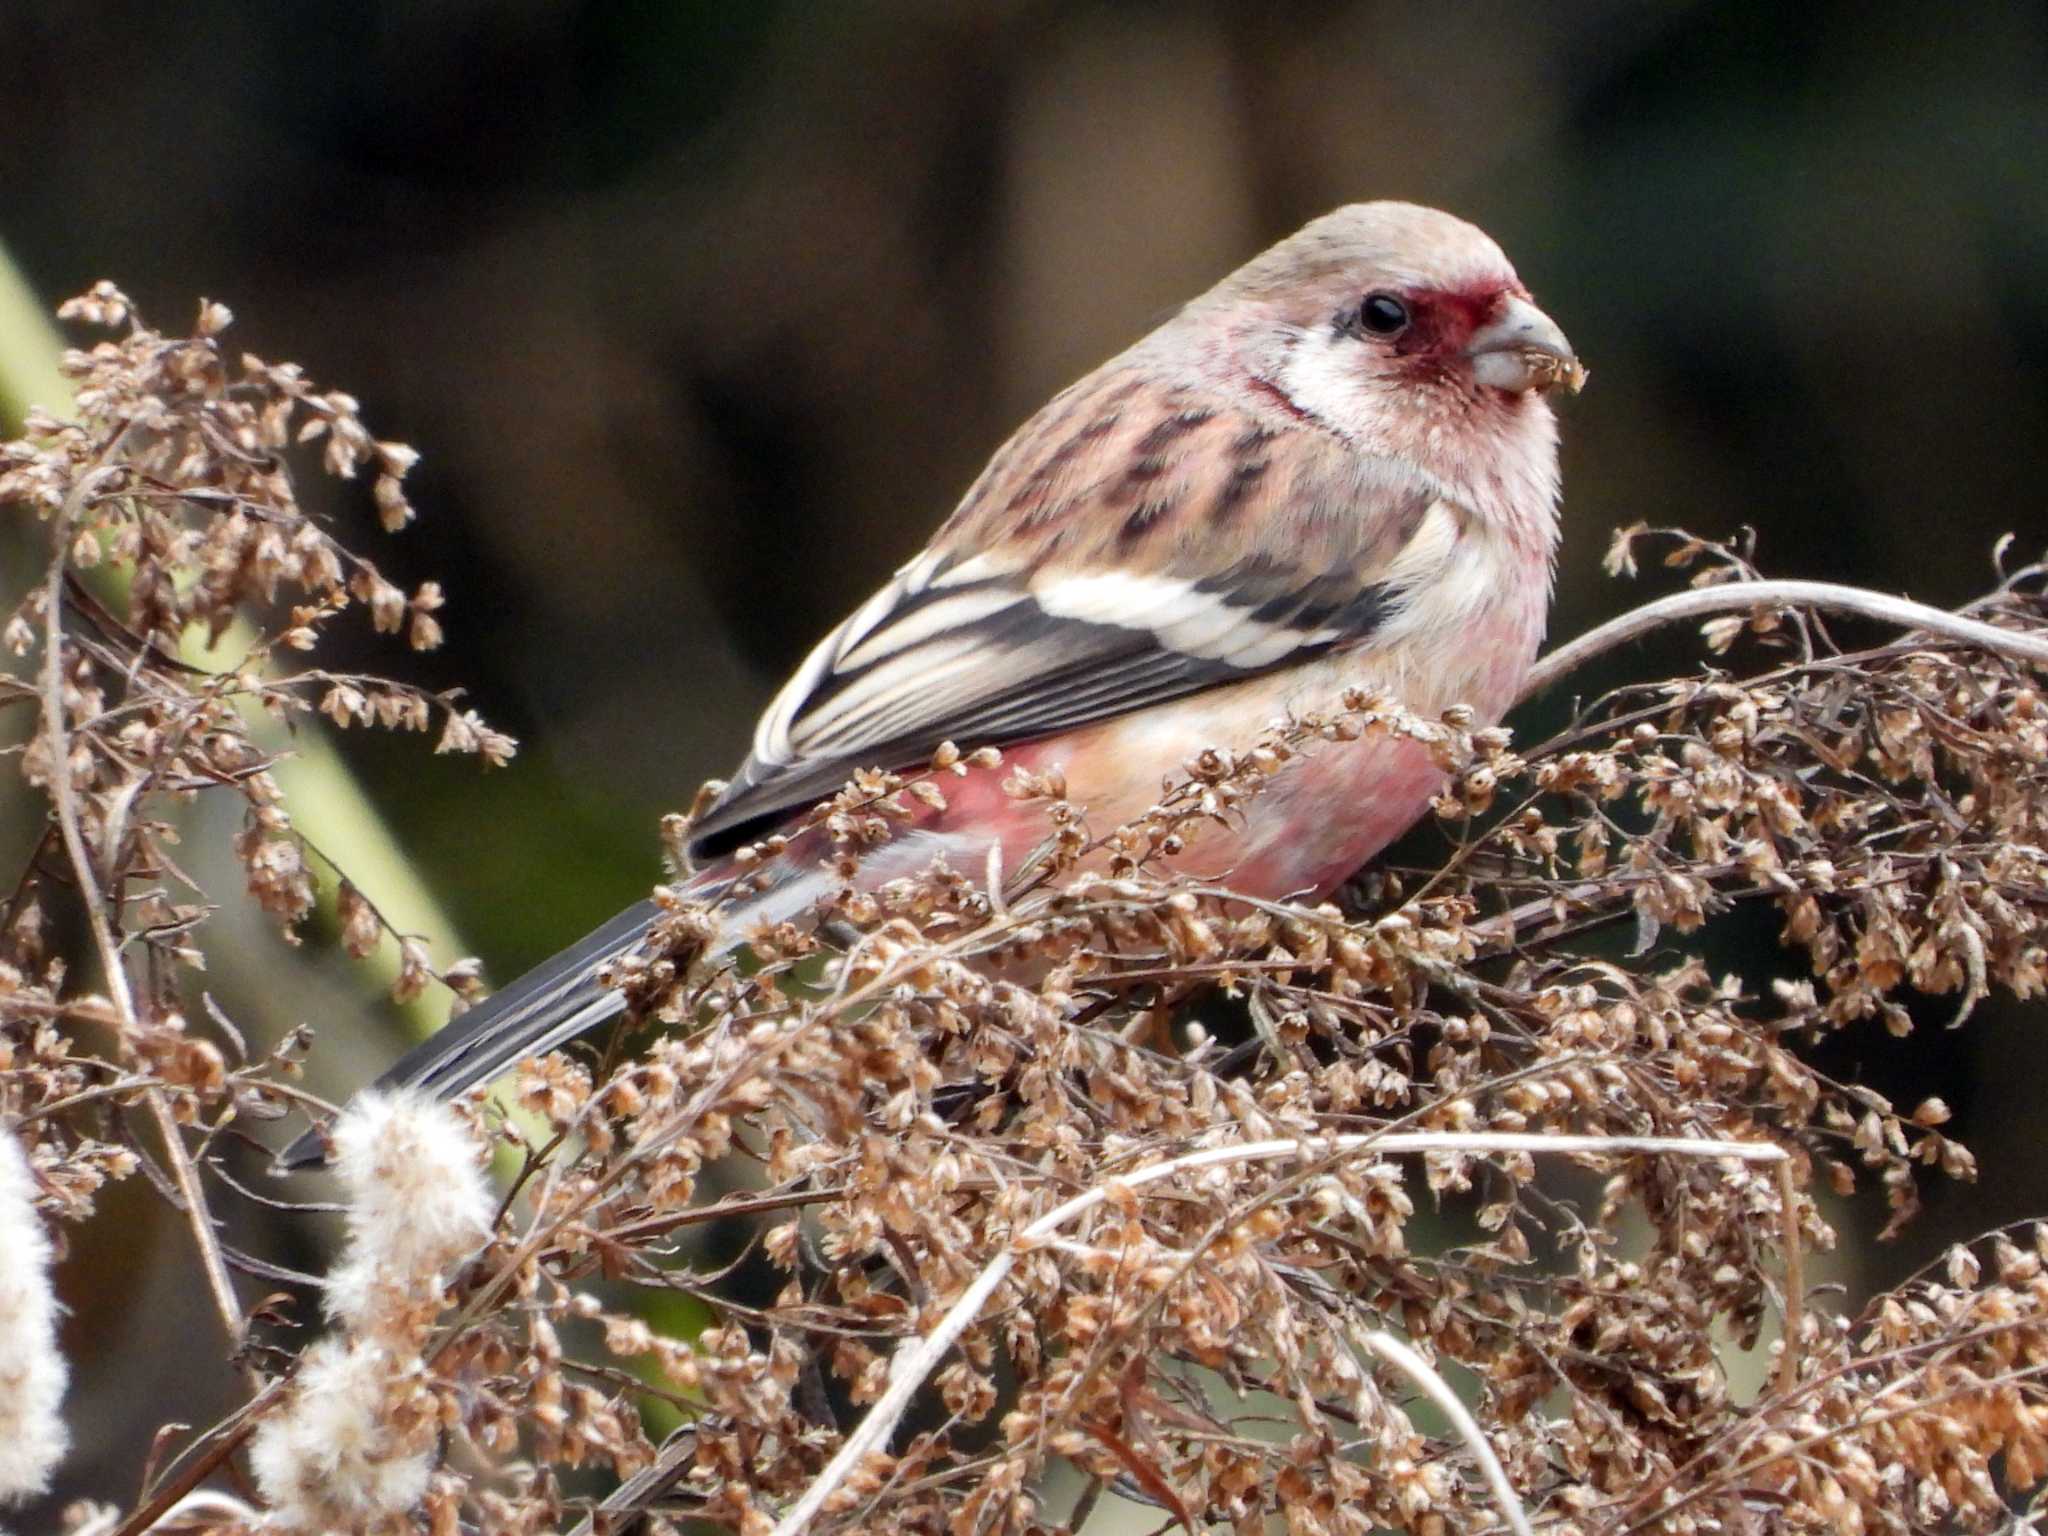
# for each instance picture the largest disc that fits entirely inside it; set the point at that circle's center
(1743, 596)
(1398, 1353)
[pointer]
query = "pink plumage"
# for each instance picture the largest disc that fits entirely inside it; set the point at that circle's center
(1337, 468)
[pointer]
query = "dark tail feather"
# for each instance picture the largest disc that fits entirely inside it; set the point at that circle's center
(552, 1003)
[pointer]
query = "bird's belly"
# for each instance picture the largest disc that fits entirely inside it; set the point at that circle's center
(1320, 818)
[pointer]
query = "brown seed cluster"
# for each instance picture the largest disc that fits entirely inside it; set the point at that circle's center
(162, 646)
(1143, 1130)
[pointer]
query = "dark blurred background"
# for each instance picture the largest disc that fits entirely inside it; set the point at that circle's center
(703, 314)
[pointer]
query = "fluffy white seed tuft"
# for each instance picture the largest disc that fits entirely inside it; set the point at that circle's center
(417, 1198)
(344, 1454)
(353, 1446)
(32, 1372)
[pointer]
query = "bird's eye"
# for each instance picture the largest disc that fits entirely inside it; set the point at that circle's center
(1382, 314)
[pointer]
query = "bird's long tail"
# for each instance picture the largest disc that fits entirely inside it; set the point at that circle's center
(550, 1005)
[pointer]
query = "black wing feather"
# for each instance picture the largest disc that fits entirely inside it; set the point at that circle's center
(1065, 673)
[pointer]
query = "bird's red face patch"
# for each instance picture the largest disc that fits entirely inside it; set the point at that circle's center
(1441, 320)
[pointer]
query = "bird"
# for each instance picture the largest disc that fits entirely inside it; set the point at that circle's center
(1336, 468)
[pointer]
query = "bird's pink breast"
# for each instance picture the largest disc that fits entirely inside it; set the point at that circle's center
(1312, 826)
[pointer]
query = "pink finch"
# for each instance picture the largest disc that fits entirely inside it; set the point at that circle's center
(1335, 468)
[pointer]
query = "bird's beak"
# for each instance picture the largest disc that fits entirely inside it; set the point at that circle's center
(1521, 349)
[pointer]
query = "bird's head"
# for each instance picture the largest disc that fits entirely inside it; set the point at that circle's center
(1404, 329)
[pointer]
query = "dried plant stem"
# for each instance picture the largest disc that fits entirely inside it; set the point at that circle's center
(58, 741)
(913, 1364)
(228, 1437)
(1739, 595)
(1795, 1280)
(200, 1217)
(643, 1486)
(1418, 1370)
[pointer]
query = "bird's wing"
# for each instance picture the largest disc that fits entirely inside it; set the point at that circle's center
(1129, 546)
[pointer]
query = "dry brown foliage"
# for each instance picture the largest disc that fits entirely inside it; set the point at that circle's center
(1006, 1106)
